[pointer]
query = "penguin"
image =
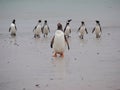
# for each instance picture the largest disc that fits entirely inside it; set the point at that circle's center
(59, 41)
(67, 30)
(45, 28)
(13, 28)
(82, 29)
(37, 30)
(97, 29)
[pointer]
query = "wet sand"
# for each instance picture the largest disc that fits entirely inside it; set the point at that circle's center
(90, 64)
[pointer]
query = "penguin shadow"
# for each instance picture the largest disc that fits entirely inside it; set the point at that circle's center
(13, 40)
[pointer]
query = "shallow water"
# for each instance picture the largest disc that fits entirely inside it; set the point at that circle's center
(90, 64)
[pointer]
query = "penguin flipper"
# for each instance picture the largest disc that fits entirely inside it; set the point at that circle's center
(15, 28)
(65, 28)
(9, 29)
(93, 30)
(100, 29)
(86, 30)
(42, 29)
(52, 41)
(67, 42)
(70, 30)
(79, 29)
(34, 28)
(48, 28)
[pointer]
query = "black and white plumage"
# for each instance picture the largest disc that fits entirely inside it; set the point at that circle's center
(13, 28)
(67, 29)
(45, 29)
(59, 42)
(82, 29)
(37, 30)
(97, 29)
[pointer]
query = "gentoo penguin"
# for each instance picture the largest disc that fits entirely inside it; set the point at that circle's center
(67, 30)
(37, 29)
(13, 28)
(82, 29)
(97, 29)
(59, 42)
(45, 28)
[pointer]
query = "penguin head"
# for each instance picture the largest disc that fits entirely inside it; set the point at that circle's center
(67, 23)
(59, 26)
(69, 20)
(97, 22)
(82, 22)
(39, 21)
(45, 21)
(13, 21)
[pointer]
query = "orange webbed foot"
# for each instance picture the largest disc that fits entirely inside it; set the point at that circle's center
(62, 55)
(55, 55)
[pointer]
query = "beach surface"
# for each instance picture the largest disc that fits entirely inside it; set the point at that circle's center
(26, 63)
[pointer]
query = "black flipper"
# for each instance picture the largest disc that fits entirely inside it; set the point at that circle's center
(9, 29)
(67, 42)
(15, 27)
(34, 28)
(48, 28)
(79, 29)
(86, 30)
(100, 29)
(93, 30)
(65, 28)
(70, 30)
(51, 44)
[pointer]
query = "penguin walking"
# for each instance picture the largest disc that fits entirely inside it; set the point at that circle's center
(37, 30)
(13, 28)
(59, 42)
(82, 29)
(97, 29)
(67, 30)
(45, 28)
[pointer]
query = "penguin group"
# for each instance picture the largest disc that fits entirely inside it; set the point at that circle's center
(60, 38)
(39, 29)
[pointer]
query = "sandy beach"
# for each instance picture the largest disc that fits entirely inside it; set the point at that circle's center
(26, 63)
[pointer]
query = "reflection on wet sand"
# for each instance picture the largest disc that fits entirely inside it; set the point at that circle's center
(60, 68)
(13, 40)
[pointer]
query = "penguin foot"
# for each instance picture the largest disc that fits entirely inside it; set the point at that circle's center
(81, 37)
(34, 36)
(44, 35)
(62, 55)
(13, 34)
(38, 36)
(97, 36)
(55, 55)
